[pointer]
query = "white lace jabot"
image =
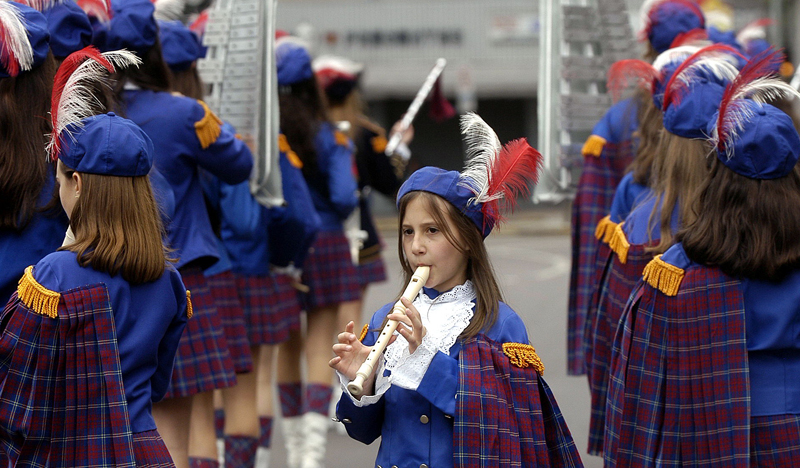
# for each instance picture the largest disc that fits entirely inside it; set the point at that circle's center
(444, 318)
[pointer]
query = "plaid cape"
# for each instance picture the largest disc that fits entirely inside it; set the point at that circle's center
(615, 291)
(62, 401)
(505, 415)
(596, 188)
(679, 385)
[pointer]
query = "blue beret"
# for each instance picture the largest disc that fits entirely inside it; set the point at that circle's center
(690, 117)
(70, 29)
(446, 185)
(671, 18)
(757, 46)
(38, 35)
(132, 27)
(767, 147)
(660, 86)
(293, 62)
(179, 45)
(108, 145)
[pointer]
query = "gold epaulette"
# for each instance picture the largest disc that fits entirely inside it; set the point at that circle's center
(341, 138)
(522, 356)
(208, 128)
(605, 229)
(283, 146)
(619, 244)
(364, 332)
(189, 310)
(36, 297)
(593, 146)
(663, 276)
(379, 144)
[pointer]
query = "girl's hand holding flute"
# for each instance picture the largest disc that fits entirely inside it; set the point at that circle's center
(350, 353)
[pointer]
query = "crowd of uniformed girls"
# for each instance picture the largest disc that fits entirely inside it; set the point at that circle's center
(684, 304)
(158, 278)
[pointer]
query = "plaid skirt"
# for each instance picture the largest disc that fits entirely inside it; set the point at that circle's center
(775, 441)
(271, 307)
(616, 289)
(329, 272)
(150, 451)
(226, 297)
(203, 362)
(373, 271)
(596, 187)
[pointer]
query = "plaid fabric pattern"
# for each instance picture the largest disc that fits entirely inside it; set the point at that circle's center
(505, 415)
(373, 271)
(596, 187)
(775, 441)
(271, 307)
(219, 423)
(62, 401)
(616, 289)
(291, 398)
(265, 440)
(226, 297)
(150, 451)
(203, 362)
(679, 389)
(240, 451)
(317, 399)
(329, 272)
(603, 259)
(202, 463)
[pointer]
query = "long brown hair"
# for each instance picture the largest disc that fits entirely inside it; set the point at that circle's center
(748, 228)
(188, 83)
(153, 74)
(117, 228)
(650, 125)
(679, 172)
(24, 122)
(479, 269)
(302, 110)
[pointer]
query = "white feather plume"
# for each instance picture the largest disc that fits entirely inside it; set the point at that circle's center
(15, 40)
(483, 147)
(755, 30)
(78, 100)
(97, 8)
(677, 54)
(644, 13)
(721, 65)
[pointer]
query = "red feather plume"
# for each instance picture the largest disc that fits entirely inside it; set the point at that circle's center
(689, 37)
(65, 71)
(755, 72)
(100, 9)
(678, 83)
(623, 72)
(515, 167)
(198, 26)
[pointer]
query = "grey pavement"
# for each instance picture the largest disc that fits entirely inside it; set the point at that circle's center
(531, 255)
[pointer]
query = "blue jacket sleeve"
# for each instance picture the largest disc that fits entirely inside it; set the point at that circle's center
(168, 346)
(241, 213)
(227, 157)
(342, 186)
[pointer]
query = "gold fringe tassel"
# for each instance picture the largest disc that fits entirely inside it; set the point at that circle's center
(341, 138)
(36, 297)
(379, 144)
(593, 146)
(283, 146)
(522, 356)
(619, 244)
(663, 276)
(189, 309)
(208, 128)
(605, 229)
(364, 332)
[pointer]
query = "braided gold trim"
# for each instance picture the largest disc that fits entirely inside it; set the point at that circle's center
(522, 356)
(189, 309)
(36, 297)
(208, 128)
(364, 331)
(593, 146)
(663, 276)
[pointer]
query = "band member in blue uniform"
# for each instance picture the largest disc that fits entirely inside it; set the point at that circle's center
(332, 279)
(31, 224)
(606, 155)
(186, 138)
(96, 325)
(457, 340)
(706, 369)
